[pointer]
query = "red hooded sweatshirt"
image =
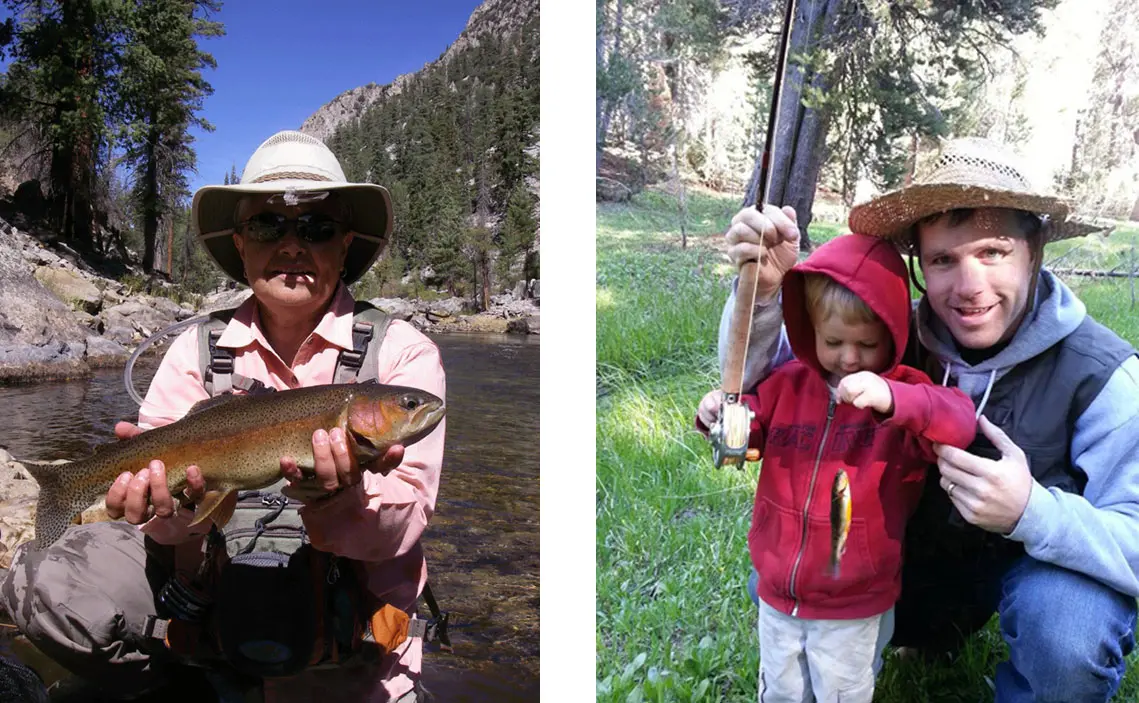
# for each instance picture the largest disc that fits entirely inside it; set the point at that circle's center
(805, 438)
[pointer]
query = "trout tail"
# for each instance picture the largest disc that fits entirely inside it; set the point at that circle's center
(57, 506)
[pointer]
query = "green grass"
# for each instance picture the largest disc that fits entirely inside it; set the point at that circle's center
(674, 622)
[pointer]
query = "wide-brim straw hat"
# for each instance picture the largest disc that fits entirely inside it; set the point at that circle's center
(969, 173)
(294, 164)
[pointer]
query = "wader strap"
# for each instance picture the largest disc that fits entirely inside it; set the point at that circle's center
(219, 373)
(349, 362)
(361, 363)
(436, 627)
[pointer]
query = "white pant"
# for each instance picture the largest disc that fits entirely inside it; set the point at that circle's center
(820, 660)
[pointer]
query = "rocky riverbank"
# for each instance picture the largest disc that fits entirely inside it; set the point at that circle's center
(59, 317)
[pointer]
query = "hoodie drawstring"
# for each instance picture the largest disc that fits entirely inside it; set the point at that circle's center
(988, 387)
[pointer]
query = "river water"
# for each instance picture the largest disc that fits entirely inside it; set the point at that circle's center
(482, 544)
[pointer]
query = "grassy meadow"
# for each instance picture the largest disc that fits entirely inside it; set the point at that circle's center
(674, 622)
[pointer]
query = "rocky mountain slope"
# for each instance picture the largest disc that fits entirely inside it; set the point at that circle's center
(493, 17)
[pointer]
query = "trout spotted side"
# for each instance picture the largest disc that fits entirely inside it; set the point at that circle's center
(840, 518)
(237, 443)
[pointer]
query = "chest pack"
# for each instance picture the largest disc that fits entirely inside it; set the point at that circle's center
(263, 598)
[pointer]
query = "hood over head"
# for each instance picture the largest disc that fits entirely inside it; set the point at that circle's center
(872, 269)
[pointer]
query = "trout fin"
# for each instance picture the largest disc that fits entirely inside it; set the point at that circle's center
(215, 507)
(212, 403)
(57, 506)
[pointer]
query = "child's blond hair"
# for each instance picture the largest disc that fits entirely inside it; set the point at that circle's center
(826, 297)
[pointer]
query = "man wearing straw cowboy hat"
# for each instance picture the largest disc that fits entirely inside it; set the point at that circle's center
(1038, 520)
(297, 233)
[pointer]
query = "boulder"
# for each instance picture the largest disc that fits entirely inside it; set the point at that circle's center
(36, 327)
(71, 288)
(101, 350)
(140, 317)
(167, 307)
(89, 321)
(227, 298)
(120, 334)
(447, 307)
(523, 325)
(398, 308)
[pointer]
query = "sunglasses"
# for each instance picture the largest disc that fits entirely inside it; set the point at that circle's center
(313, 227)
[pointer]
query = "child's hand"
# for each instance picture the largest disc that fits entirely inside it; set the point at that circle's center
(709, 410)
(866, 389)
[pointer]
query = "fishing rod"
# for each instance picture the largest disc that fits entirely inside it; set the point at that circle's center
(729, 434)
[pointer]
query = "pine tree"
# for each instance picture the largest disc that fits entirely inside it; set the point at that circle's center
(517, 234)
(60, 83)
(162, 92)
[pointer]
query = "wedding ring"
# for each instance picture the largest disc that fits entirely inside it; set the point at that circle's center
(949, 490)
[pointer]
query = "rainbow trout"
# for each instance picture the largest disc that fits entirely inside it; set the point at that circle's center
(237, 442)
(840, 518)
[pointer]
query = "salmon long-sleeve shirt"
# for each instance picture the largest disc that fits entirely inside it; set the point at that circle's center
(379, 521)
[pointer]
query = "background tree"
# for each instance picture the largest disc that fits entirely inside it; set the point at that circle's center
(1107, 126)
(868, 84)
(517, 236)
(885, 73)
(60, 85)
(162, 91)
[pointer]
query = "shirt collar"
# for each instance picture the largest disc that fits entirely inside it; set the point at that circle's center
(335, 326)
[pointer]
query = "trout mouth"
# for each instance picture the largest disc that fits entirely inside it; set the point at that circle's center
(366, 450)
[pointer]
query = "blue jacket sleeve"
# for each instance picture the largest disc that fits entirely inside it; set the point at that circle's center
(1096, 533)
(768, 348)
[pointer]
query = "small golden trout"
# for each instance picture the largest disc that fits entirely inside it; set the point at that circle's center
(237, 442)
(840, 518)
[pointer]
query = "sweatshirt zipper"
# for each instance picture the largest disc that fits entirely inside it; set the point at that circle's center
(807, 507)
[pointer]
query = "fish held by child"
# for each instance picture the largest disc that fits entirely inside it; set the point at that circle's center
(840, 519)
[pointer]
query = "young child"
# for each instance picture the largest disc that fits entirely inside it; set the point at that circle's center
(846, 403)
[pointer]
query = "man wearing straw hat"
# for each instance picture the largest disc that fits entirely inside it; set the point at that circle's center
(1038, 520)
(297, 233)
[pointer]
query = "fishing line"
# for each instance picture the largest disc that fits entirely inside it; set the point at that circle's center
(742, 486)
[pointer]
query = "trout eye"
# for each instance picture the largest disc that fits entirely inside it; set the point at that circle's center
(409, 402)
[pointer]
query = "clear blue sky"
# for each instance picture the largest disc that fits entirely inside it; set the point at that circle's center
(279, 61)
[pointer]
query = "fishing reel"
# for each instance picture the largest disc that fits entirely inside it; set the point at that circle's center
(729, 434)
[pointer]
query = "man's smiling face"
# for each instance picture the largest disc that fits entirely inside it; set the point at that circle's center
(977, 275)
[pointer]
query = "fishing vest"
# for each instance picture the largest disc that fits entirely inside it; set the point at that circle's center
(265, 520)
(1037, 405)
(265, 549)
